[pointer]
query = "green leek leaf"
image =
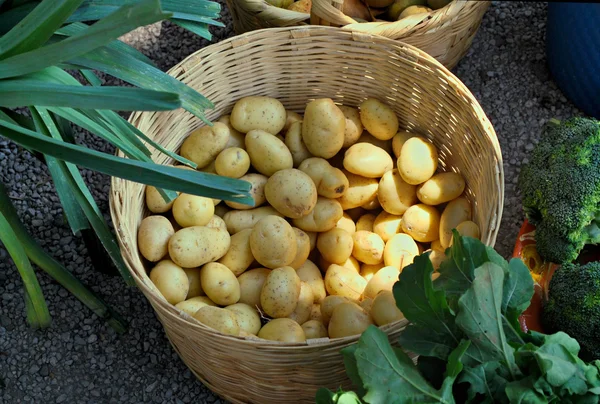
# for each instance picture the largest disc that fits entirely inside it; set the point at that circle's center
(91, 77)
(197, 28)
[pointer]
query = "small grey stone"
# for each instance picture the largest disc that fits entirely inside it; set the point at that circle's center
(44, 371)
(92, 338)
(150, 388)
(61, 398)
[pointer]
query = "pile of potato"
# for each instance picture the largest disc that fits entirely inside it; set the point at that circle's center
(344, 200)
(371, 10)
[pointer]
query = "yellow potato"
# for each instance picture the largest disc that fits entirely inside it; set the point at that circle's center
(239, 256)
(386, 225)
(310, 274)
(372, 205)
(191, 210)
(290, 118)
(384, 310)
(268, 154)
(192, 305)
(315, 313)
(217, 222)
(323, 128)
(418, 160)
(195, 246)
(368, 271)
(314, 329)
(273, 242)
(258, 112)
(330, 181)
(335, 245)
(220, 284)
(368, 247)
(204, 144)
(342, 281)
(293, 141)
(251, 283)
(238, 220)
(233, 162)
(399, 139)
(153, 237)
(348, 319)
(220, 319)
(384, 144)
(414, 10)
(366, 222)
(330, 303)
(236, 138)
(280, 292)
(292, 192)
(468, 228)
(384, 279)
(441, 188)
(395, 194)
(436, 257)
(246, 316)
(400, 251)
(456, 212)
(323, 217)
(366, 304)
(312, 236)
(170, 280)
(437, 245)
(195, 288)
(361, 190)
(350, 263)
(257, 192)
(282, 330)
(354, 126)
(303, 308)
(155, 202)
(422, 223)
(302, 250)
(346, 223)
(378, 119)
(367, 160)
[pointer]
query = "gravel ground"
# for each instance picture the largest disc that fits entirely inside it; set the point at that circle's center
(80, 359)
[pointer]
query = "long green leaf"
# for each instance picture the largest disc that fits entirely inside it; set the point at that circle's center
(200, 29)
(36, 28)
(37, 309)
(11, 17)
(159, 176)
(124, 20)
(91, 77)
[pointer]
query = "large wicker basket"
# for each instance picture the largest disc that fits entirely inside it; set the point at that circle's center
(446, 33)
(296, 65)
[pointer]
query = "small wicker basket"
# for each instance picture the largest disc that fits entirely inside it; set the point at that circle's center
(446, 33)
(296, 65)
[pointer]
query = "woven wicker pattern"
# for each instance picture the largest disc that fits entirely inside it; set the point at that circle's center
(296, 65)
(446, 34)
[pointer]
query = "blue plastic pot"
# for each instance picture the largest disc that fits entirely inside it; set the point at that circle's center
(573, 52)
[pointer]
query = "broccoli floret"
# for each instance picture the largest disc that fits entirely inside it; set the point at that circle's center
(560, 188)
(573, 306)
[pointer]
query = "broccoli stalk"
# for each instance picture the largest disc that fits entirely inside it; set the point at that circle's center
(560, 188)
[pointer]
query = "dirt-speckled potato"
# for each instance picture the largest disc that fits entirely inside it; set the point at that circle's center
(247, 317)
(323, 128)
(273, 242)
(441, 188)
(330, 303)
(311, 274)
(268, 154)
(367, 160)
(366, 304)
(422, 223)
(195, 289)
(378, 119)
(192, 210)
(170, 280)
(155, 202)
(399, 139)
(303, 308)
(348, 319)
(204, 144)
(282, 330)
(400, 251)
(219, 284)
(395, 194)
(384, 279)
(302, 250)
(217, 222)
(236, 138)
(220, 319)
(455, 212)
(294, 142)
(233, 162)
(194, 246)
(346, 223)
(314, 329)
(386, 225)
(342, 281)
(368, 247)
(361, 190)
(335, 245)
(418, 160)
(384, 310)
(280, 292)
(368, 271)
(323, 217)
(251, 283)
(292, 192)
(366, 222)
(153, 237)
(354, 127)
(239, 256)
(290, 118)
(257, 192)
(315, 313)
(468, 228)
(238, 220)
(258, 112)
(330, 181)
(192, 305)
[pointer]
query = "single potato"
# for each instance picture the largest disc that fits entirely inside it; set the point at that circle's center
(192, 210)
(436, 257)
(292, 192)
(257, 192)
(236, 138)
(268, 154)
(195, 290)
(294, 142)
(233, 162)
(456, 212)
(280, 292)
(314, 329)
(368, 247)
(222, 320)
(282, 330)
(378, 119)
(400, 251)
(238, 220)
(342, 281)
(251, 283)
(330, 181)
(418, 160)
(346, 223)
(170, 280)
(246, 316)
(441, 188)
(468, 228)
(315, 313)
(437, 245)
(366, 304)
(399, 139)
(368, 271)
(384, 310)
(258, 112)
(348, 319)
(303, 308)
(220, 284)
(387, 225)
(204, 144)
(414, 10)
(192, 305)
(366, 222)
(239, 256)
(302, 250)
(395, 194)
(372, 205)
(273, 242)
(323, 217)
(290, 118)
(155, 202)
(194, 246)
(153, 237)
(367, 160)
(422, 223)
(384, 279)
(335, 245)
(354, 127)
(217, 222)
(310, 274)
(329, 304)
(361, 190)
(323, 128)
